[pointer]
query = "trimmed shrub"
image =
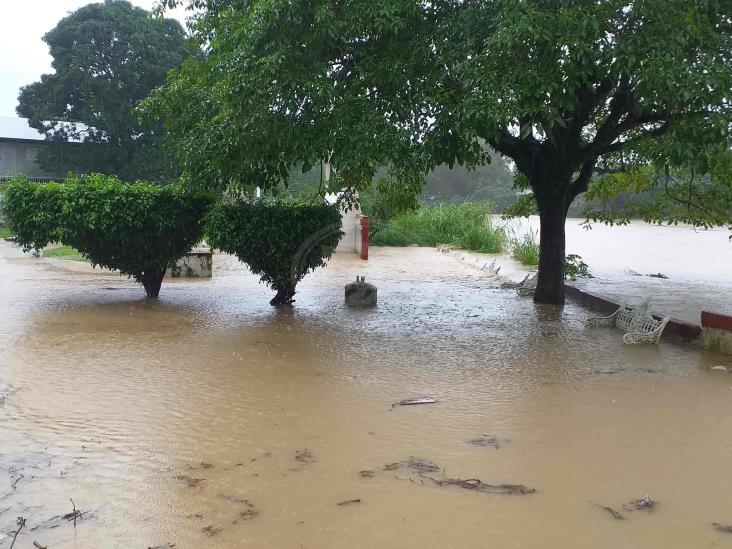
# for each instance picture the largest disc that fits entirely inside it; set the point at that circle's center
(279, 241)
(33, 212)
(135, 228)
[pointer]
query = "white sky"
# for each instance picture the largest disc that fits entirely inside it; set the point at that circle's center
(23, 55)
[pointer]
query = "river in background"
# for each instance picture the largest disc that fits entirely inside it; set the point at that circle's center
(210, 419)
(697, 264)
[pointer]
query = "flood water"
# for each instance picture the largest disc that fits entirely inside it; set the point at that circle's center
(697, 265)
(210, 419)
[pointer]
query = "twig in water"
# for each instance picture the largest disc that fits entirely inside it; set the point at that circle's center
(21, 523)
(16, 481)
(613, 512)
(36, 544)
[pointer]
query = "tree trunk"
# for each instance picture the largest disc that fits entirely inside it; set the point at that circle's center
(550, 284)
(284, 297)
(152, 282)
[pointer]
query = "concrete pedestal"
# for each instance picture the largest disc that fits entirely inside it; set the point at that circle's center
(361, 293)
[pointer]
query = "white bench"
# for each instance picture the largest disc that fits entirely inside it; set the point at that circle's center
(639, 325)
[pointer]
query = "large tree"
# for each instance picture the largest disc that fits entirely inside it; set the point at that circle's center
(107, 57)
(557, 86)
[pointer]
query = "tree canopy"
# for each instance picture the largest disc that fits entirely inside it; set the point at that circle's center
(107, 57)
(561, 87)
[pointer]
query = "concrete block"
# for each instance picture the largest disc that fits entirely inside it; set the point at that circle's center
(198, 263)
(361, 293)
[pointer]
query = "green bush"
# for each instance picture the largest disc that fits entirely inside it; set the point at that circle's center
(279, 241)
(525, 249)
(135, 228)
(464, 225)
(386, 200)
(574, 267)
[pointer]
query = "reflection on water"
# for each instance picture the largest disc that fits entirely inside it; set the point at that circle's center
(210, 419)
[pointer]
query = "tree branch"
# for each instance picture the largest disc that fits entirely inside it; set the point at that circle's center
(582, 181)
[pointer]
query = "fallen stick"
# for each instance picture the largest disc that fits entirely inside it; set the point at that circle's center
(613, 512)
(21, 523)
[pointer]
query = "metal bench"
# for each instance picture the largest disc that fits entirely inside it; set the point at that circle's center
(639, 325)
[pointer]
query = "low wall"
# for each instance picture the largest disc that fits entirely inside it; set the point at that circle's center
(675, 328)
(198, 263)
(716, 332)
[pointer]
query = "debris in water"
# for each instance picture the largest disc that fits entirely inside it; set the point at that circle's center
(304, 456)
(39, 546)
(164, 546)
(349, 502)
(211, 530)
(21, 523)
(644, 503)
(235, 499)
(422, 466)
(616, 515)
(418, 465)
(486, 440)
(364, 474)
(201, 465)
(720, 368)
(726, 528)
(189, 480)
(249, 514)
(476, 484)
(415, 400)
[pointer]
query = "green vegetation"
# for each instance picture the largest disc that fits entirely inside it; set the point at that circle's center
(525, 249)
(137, 229)
(279, 241)
(562, 88)
(107, 56)
(464, 225)
(575, 268)
(5, 232)
(64, 252)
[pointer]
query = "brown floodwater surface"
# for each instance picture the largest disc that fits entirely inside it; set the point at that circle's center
(210, 419)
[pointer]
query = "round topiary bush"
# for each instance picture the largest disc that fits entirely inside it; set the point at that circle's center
(135, 228)
(279, 241)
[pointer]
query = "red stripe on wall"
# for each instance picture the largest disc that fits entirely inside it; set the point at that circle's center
(715, 320)
(364, 237)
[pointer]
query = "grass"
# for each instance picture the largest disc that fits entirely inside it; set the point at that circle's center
(464, 226)
(525, 249)
(5, 232)
(64, 252)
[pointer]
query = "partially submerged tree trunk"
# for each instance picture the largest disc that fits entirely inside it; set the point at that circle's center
(152, 282)
(550, 282)
(284, 296)
(553, 189)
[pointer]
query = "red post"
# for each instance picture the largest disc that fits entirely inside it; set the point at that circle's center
(364, 237)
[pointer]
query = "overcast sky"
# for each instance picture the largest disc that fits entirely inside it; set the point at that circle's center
(23, 55)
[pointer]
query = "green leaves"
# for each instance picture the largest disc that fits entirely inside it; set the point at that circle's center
(136, 228)
(279, 241)
(106, 58)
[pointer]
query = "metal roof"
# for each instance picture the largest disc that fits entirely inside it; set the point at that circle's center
(18, 128)
(12, 128)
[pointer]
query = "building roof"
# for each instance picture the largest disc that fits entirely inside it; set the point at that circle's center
(18, 129)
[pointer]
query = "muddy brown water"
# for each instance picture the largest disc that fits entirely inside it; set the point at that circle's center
(210, 419)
